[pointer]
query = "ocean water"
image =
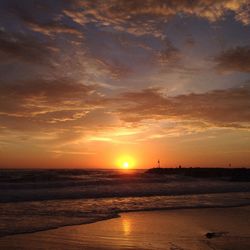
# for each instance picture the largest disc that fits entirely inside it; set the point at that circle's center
(34, 200)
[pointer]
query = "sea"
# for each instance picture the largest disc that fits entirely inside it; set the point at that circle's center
(35, 200)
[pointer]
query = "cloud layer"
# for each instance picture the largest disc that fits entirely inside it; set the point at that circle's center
(47, 101)
(227, 108)
(130, 15)
(91, 72)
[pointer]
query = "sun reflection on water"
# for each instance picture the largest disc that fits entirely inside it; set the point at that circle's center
(126, 224)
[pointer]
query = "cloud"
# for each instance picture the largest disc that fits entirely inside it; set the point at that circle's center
(120, 52)
(124, 42)
(234, 59)
(142, 16)
(52, 28)
(67, 112)
(170, 56)
(222, 108)
(58, 100)
(55, 112)
(244, 15)
(26, 48)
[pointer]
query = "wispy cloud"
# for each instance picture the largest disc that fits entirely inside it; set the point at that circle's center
(55, 100)
(130, 15)
(225, 108)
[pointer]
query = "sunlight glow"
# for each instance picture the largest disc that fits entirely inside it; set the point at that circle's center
(125, 162)
(125, 165)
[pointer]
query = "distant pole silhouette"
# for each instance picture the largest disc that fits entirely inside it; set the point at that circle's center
(158, 164)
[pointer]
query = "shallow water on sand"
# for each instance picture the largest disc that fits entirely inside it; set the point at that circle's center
(162, 230)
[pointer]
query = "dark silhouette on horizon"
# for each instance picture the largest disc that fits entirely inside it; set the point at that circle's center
(158, 164)
(232, 174)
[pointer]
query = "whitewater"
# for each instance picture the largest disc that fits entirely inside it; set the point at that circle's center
(34, 200)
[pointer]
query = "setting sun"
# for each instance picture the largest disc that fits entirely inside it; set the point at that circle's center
(125, 165)
(125, 162)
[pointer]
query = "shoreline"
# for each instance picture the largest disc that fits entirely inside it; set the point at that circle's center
(119, 214)
(188, 228)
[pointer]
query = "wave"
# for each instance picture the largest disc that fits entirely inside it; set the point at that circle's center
(121, 190)
(27, 185)
(25, 217)
(34, 200)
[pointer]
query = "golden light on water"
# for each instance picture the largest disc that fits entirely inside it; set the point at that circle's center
(126, 225)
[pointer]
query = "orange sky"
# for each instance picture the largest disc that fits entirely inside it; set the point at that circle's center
(186, 150)
(88, 83)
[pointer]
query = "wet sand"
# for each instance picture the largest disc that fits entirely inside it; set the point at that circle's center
(173, 230)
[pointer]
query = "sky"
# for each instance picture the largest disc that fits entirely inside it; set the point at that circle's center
(92, 83)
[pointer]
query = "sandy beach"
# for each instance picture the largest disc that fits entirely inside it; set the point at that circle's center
(228, 228)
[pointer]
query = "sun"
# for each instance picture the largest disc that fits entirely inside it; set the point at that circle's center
(125, 165)
(125, 162)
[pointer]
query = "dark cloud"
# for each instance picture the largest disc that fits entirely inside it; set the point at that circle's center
(114, 17)
(59, 98)
(42, 17)
(19, 46)
(230, 107)
(234, 59)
